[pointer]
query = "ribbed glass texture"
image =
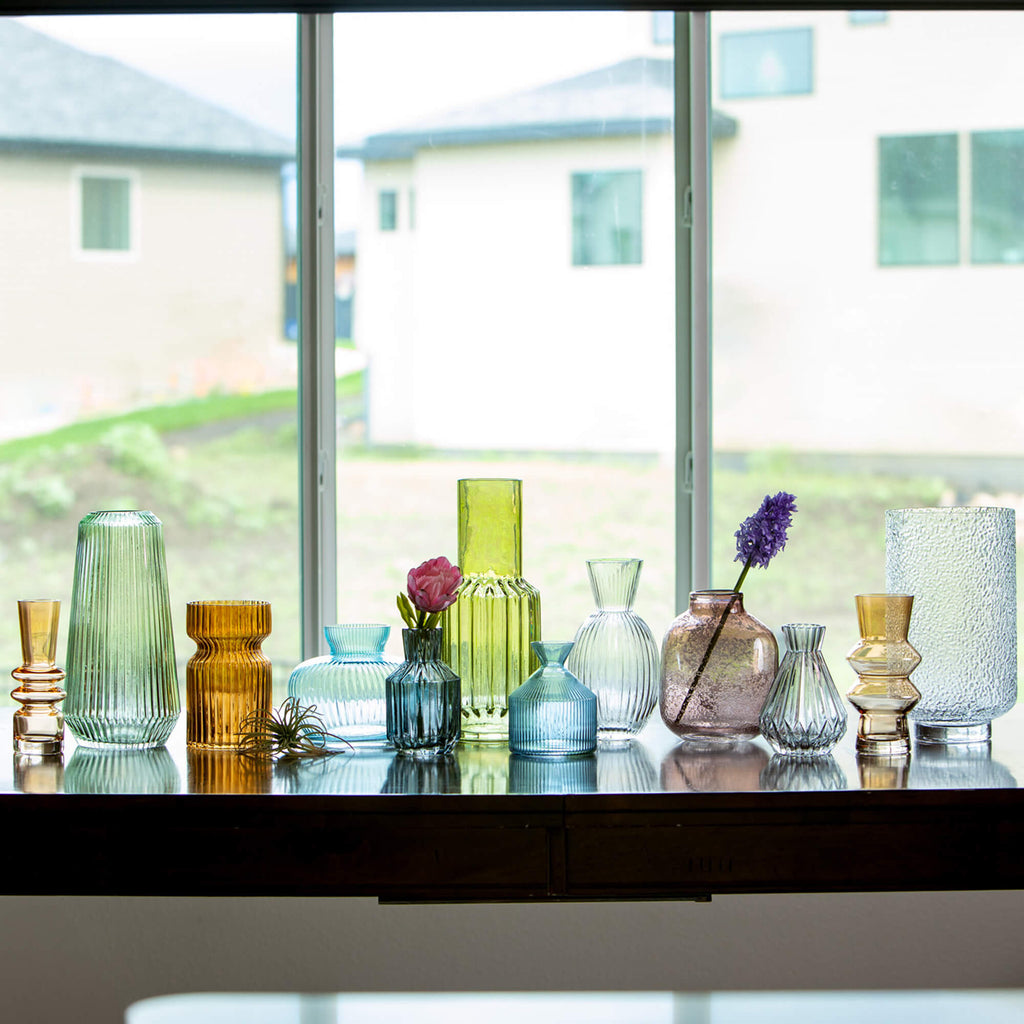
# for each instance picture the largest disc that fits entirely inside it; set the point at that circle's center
(547, 775)
(423, 698)
(960, 564)
(92, 770)
(615, 653)
(415, 776)
(122, 681)
(552, 714)
(227, 771)
(488, 631)
(787, 774)
(803, 713)
(38, 725)
(229, 678)
(347, 686)
(717, 665)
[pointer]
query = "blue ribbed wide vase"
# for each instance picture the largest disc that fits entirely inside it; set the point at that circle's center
(552, 714)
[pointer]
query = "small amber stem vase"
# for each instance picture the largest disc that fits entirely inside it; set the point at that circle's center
(229, 677)
(39, 722)
(883, 660)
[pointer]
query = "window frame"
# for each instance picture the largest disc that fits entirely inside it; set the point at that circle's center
(111, 172)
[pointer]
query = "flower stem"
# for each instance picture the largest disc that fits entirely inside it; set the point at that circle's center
(711, 644)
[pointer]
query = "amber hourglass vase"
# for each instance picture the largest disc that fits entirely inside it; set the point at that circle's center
(39, 722)
(883, 659)
(229, 677)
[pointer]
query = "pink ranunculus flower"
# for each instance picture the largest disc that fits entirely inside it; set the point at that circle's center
(433, 586)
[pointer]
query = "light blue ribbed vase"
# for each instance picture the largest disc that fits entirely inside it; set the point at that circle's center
(347, 685)
(552, 714)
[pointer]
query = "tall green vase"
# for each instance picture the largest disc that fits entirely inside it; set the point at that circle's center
(488, 631)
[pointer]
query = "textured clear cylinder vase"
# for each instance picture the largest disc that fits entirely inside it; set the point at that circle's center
(552, 714)
(423, 698)
(717, 664)
(229, 678)
(488, 631)
(614, 652)
(347, 686)
(122, 682)
(803, 714)
(960, 564)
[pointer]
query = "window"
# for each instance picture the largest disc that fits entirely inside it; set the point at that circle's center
(918, 205)
(606, 218)
(997, 197)
(662, 27)
(412, 209)
(387, 209)
(106, 216)
(770, 63)
(867, 17)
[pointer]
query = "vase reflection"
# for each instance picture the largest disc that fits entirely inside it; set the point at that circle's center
(552, 775)
(815, 773)
(693, 767)
(227, 771)
(38, 773)
(123, 771)
(958, 766)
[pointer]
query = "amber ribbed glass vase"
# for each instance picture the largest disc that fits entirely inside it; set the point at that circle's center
(229, 677)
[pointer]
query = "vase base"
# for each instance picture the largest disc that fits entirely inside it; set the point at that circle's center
(883, 746)
(485, 729)
(426, 753)
(47, 746)
(927, 733)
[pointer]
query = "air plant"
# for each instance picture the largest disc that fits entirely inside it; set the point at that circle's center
(290, 732)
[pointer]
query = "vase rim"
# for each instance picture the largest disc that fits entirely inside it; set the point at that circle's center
(951, 509)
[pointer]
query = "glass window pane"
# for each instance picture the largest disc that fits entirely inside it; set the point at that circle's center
(387, 201)
(483, 349)
(606, 221)
(997, 197)
(777, 62)
(165, 381)
(855, 385)
(918, 200)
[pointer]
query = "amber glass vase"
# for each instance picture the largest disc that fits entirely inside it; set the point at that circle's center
(229, 677)
(488, 631)
(718, 664)
(39, 722)
(883, 660)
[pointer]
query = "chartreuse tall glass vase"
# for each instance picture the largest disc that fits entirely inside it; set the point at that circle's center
(122, 681)
(489, 629)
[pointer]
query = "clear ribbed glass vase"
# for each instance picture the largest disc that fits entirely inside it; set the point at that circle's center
(122, 682)
(347, 685)
(488, 631)
(803, 713)
(229, 678)
(552, 714)
(960, 563)
(615, 653)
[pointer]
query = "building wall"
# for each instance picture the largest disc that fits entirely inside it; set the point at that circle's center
(199, 307)
(481, 304)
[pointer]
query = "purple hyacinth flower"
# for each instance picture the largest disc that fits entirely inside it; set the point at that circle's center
(763, 535)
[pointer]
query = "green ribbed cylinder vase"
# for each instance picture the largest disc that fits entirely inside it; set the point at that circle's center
(488, 631)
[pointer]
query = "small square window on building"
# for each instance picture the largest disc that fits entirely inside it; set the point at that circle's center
(387, 207)
(997, 198)
(867, 17)
(777, 62)
(105, 214)
(607, 218)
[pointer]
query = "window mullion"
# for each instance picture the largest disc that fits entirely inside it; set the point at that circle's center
(693, 315)
(317, 497)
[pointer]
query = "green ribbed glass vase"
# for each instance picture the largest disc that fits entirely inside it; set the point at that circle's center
(488, 631)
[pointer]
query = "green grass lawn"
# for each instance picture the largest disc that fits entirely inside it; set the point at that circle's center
(221, 473)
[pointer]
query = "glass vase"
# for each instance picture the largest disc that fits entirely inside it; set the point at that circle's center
(615, 653)
(347, 685)
(717, 665)
(423, 697)
(488, 631)
(883, 660)
(122, 681)
(38, 725)
(229, 678)
(803, 713)
(552, 714)
(960, 564)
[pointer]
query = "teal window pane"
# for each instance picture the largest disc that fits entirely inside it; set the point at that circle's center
(388, 209)
(106, 214)
(918, 205)
(997, 197)
(606, 218)
(868, 17)
(775, 63)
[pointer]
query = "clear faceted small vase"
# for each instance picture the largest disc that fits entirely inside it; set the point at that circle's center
(615, 653)
(803, 714)
(347, 686)
(552, 714)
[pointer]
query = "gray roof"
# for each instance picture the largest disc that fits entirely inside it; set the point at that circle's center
(633, 97)
(54, 96)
